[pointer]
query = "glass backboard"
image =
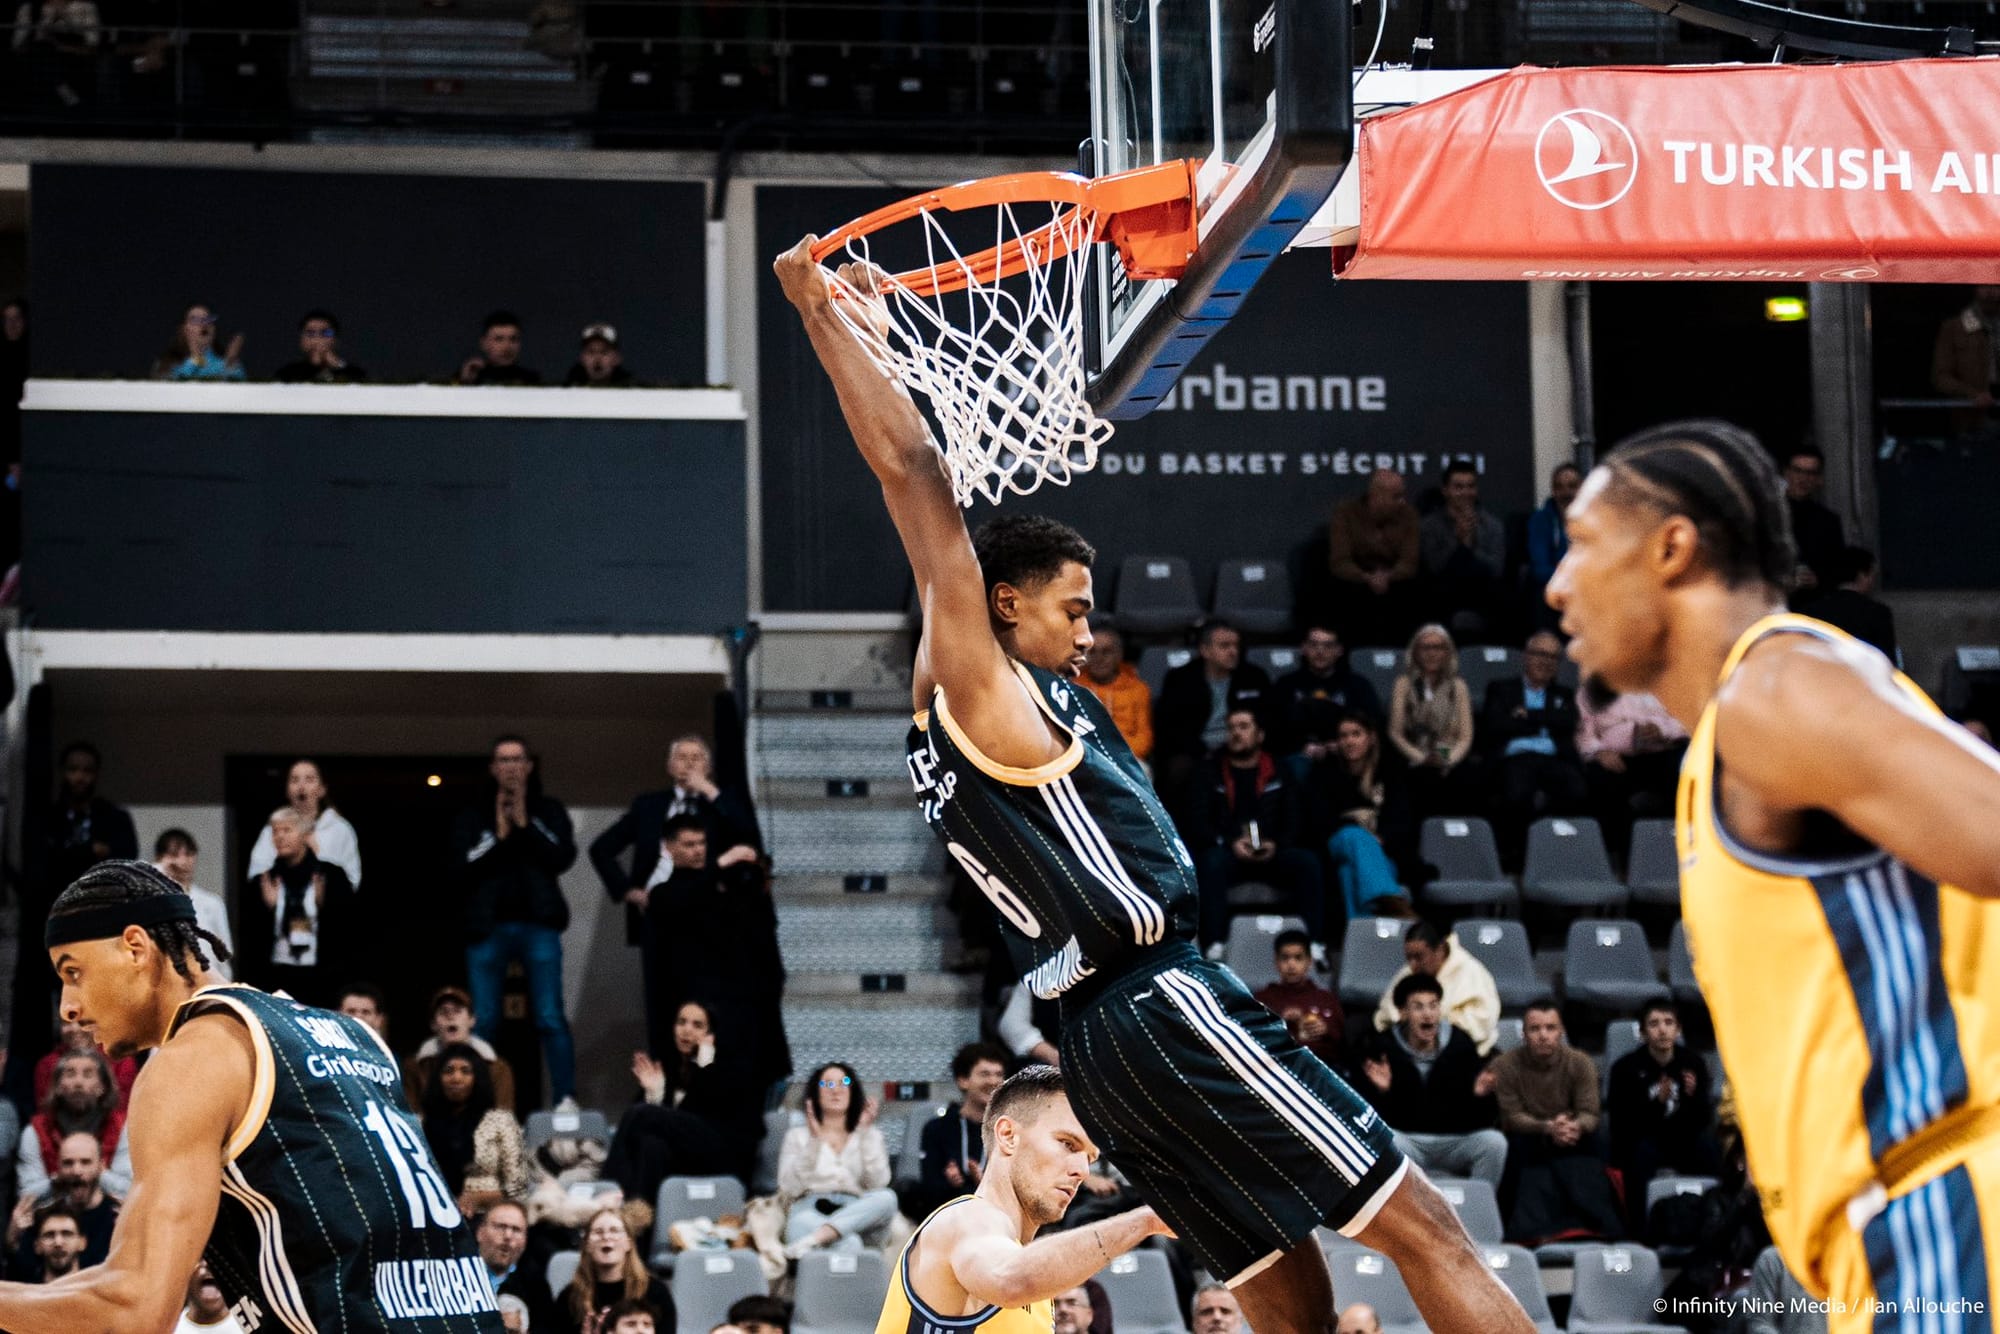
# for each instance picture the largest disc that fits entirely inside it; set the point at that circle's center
(1260, 91)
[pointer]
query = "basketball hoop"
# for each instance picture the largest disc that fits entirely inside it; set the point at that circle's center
(994, 338)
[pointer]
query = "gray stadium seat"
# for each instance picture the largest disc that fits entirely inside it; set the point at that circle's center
(1253, 595)
(1155, 662)
(1467, 863)
(764, 1178)
(1332, 1243)
(691, 1197)
(908, 1146)
(1250, 952)
(562, 1268)
(1379, 667)
(1141, 1289)
(1567, 867)
(1156, 595)
(1607, 963)
(708, 1283)
(1276, 660)
(1680, 967)
(1615, 1287)
(1620, 1036)
(1507, 1034)
(1366, 1276)
(1654, 871)
(1370, 954)
(545, 1126)
(1476, 1206)
(1484, 664)
(1503, 947)
(1665, 1185)
(1716, 1074)
(839, 1292)
(1515, 1267)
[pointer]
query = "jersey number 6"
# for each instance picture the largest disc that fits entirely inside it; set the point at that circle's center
(1006, 900)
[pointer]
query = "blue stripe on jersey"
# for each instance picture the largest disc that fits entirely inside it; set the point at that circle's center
(1884, 918)
(1928, 1254)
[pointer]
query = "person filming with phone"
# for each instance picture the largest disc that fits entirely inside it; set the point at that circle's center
(1250, 827)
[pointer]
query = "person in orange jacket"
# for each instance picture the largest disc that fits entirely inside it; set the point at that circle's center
(1116, 683)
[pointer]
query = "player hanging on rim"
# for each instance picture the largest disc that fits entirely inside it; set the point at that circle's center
(1840, 862)
(1236, 1134)
(270, 1136)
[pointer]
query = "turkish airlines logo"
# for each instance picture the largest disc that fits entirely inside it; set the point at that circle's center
(1586, 159)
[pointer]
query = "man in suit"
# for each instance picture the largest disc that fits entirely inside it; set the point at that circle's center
(1816, 530)
(1529, 731)
(1191, 712)
(1853, 605)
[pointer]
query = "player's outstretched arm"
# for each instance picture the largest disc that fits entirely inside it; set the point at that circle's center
(1809, 725)
(993, 1266)
(188, 1100)
(896, 443)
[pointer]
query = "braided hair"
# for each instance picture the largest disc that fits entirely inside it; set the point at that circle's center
(113, 882)
(1719, 477)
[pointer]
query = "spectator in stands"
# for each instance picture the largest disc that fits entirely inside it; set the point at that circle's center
(174, 852)
(78, 1186)
(609, 1274)
(1308, 702)
(312, 914)
(499, 358)
(1025, 1022)
(1962, 360)
(1776, 1302)
(1631, 751)
(599, 364)
(207, 1309)
(629, 1317)
(58, 40)
(1431, 1085)
(502, 1235)
(477, 1144)
(74, 1039)
(1250, 826)
(1359, 1318)
(1312, 1014)
(84, 828)
(1852, 605)
(82, 1101)
(1662, 1107)
(319, 359)
(949, 1150)
(697, 1115)
(1117, 685)
(1191, 714)
(833, 1172)
(1215, 1311)
(1548, 539)
(712, 931)
(1549, 1110)
(757, 1314)
(1471, 999)
(1816, 530)
(1430, 725)
(451, 1025)
(331, 838)
(58, 1246)
(1363, 789)
(511, 848)
(1070, 1312)
(1464, 553)
(363, 1001)
(1529, 730)
(1373, 546)
(190, 354)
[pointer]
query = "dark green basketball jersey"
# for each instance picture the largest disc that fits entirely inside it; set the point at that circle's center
(1078, 856)
(333, 1215)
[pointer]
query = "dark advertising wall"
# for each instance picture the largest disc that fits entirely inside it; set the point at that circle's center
(409, 264)
(386, 524)
(1312, 387)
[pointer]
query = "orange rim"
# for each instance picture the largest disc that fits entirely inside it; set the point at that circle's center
(1105, 198)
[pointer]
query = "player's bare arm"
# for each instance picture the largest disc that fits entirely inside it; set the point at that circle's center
(1805, 724)
(897, 445)
(189, 1099)
(973, 1253)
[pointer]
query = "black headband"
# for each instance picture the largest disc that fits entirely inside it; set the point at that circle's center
(111, 919)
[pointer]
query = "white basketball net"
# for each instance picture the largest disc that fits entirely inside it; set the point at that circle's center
(1002, 366)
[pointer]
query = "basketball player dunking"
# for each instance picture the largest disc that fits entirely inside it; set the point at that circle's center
(268, 1136)
(1840, 866)
(1236, 1134)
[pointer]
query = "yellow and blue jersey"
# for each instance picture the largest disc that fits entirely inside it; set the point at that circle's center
(903, 1312)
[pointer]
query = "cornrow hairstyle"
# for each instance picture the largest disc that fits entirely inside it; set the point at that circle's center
(1722, 480)
(1026, 550)
(114, 882)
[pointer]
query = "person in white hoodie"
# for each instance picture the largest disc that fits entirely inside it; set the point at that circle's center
(1471, 1000)
(332, 838)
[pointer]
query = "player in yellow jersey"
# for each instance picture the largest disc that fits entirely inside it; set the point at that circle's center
(1840, 879)
(975, 1264)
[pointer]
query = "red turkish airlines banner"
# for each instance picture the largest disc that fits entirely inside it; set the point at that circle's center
(1869, 172)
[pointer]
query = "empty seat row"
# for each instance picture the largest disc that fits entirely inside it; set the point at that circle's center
(1615, 1287)
(1567, 866)
(1155, 595)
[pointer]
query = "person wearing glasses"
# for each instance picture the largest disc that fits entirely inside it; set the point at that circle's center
(833, 1171)
(1529, 730)
(191, 355)
(1816, 530)
(319, 360)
